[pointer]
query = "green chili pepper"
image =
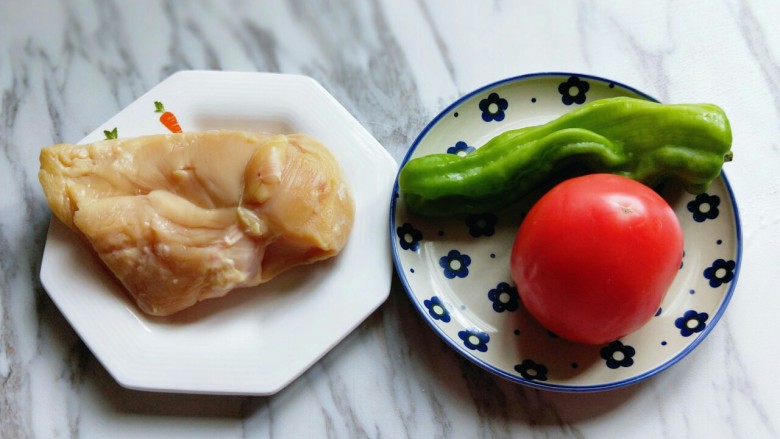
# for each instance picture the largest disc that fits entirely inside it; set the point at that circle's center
(642, 140)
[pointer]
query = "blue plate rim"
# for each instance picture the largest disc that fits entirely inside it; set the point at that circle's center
(515, 378)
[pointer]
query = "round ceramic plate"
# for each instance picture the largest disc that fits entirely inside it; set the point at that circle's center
(456, 270)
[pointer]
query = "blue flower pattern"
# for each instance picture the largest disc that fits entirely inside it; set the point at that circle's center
(475, 339)
(720, 272)
(704, 207)
(576, 85)
(461, 148)
(483, 224)
(531, 370)
(437, 310)
(691, 322)
(493, 108)
(616, 355)
(408, 237)
(455, 264)
(504, 297)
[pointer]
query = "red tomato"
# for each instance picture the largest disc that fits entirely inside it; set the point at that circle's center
(595, 256)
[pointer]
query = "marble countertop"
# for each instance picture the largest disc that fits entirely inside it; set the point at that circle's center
(68, 66)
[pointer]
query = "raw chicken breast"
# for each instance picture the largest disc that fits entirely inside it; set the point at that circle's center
(180, 218)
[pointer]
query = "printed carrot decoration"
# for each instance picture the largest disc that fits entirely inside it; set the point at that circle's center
(111, 134)
(167, 118)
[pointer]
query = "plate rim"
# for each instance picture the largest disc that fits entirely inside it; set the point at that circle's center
(488, 366)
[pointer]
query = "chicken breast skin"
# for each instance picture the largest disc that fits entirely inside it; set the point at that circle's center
(179, 218)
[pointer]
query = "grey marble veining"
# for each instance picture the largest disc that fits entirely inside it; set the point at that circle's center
(67, 66)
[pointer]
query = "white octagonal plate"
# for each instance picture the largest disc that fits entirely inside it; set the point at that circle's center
(256, 340)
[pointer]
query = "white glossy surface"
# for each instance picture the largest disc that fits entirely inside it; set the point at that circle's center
(257, 340)
(66, 67)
